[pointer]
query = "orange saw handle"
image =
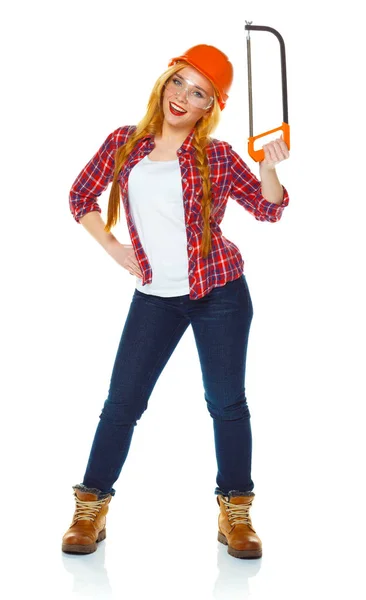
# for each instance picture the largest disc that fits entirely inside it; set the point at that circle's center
(258, 155)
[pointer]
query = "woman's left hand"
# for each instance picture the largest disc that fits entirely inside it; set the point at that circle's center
(275, 152)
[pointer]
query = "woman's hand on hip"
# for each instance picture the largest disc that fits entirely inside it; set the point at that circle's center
(124, 255)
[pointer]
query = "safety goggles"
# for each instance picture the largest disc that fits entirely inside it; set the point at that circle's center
(194, 93)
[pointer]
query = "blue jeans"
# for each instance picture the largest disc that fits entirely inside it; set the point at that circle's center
(221, 321)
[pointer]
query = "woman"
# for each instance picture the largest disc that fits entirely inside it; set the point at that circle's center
(174, 181)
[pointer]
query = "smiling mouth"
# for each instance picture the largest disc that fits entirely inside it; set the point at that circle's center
(175, 110)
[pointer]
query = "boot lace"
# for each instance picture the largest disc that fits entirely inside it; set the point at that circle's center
(87, 510)
(238, 513)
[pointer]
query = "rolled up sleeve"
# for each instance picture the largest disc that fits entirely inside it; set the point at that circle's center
(93, 179)
(246, 189)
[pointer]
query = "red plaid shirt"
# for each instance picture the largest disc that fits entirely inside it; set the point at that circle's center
(230, 176)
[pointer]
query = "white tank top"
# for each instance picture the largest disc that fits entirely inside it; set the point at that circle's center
(156, 202)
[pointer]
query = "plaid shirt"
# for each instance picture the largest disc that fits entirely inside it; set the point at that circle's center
(229, 175)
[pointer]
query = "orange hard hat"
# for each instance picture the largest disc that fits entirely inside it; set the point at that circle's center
(213, 64)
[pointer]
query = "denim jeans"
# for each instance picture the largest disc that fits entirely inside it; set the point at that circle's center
(221, 321)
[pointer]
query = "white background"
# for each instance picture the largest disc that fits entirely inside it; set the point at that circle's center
(72, 72)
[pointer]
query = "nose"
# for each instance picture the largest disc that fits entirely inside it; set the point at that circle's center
(185, 90)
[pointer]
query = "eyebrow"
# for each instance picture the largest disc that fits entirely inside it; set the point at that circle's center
(195, 85)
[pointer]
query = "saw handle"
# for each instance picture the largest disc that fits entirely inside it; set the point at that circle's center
(258, 155)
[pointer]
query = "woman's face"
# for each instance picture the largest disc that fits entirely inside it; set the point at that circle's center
(178, 97)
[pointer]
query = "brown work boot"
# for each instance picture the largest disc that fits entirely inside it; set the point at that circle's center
(88, 524)
(235, 526)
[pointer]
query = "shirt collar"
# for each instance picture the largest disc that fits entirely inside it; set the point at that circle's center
(187, 145)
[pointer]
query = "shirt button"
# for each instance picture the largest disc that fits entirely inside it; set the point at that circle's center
(184, 180)
(189, 247)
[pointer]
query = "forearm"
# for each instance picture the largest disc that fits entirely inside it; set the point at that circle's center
(94, 224)
(272, 189)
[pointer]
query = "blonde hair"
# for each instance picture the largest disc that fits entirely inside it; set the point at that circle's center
(152, 124)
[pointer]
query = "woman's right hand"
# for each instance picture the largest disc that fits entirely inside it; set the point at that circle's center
(124, 254)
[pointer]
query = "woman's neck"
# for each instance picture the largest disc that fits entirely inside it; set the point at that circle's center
(172, 137)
